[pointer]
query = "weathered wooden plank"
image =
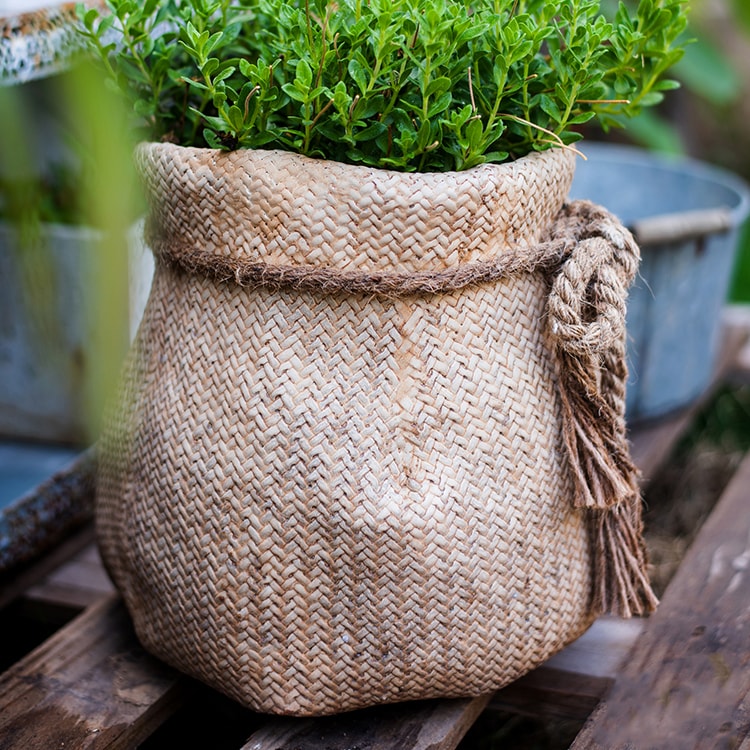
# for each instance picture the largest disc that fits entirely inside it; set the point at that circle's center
(571, 683)
(18, 581)
(686, 684)
(89, 686)
(551, 694)
(77, 583)
(600, 651)
(427, 725)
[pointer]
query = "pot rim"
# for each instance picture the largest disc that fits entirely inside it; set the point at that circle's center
(278, 207)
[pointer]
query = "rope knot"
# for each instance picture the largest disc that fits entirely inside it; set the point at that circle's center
(587, 299)
(586, 310)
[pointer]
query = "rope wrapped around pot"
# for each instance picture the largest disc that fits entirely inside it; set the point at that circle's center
(591, 260)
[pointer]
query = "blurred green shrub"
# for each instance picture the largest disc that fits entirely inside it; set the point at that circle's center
(97, 189)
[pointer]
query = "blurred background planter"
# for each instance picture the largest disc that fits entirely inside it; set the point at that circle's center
(46, 360)
(686, 216)
(43, 361)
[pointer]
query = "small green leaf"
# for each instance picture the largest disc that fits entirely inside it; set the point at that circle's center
(440, 105)
(474, 133)
(550, 107)
(458, 119)
(293, 92)
(213, 42)
(210, 66)
(370, 133)
(195, 84)
(248, 70)
(669, 85)
(651, 99)
(218, 123)
(341, 99)
(438, 86)
(368, 107)
(224, 74)
(496, 157)
(212, 139)
(303, 76)
(90, 17)
(235, 118)
(192, 34)
(359, 74)
(105, 25)
(582, 118)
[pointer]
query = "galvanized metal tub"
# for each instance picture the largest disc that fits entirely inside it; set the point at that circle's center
(686, 216)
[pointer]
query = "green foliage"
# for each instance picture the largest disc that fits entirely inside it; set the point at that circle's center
(740, 289)
(428, 85)
(54, 196)
(741, 11)
(707, 72)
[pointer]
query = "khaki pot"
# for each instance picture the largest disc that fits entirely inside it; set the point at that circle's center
(335, 479)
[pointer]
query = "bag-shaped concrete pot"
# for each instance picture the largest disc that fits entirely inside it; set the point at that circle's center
(369, 446)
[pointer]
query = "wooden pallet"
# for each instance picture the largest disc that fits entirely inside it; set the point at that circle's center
(680, 679)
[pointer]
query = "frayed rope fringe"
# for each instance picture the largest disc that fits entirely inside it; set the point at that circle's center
(587, 325)
(591, 260)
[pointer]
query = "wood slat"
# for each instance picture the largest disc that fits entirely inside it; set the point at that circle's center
(78, 583)
(686, 683)
(549, 694)
(571, 683)
(89, 686)
(18, 582)
(601, 650)
(425, 725)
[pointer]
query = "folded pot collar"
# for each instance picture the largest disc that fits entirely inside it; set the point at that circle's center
(282, 208)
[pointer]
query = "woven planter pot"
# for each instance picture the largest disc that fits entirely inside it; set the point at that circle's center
(353, 455)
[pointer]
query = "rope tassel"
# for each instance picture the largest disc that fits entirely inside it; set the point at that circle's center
(587, 324)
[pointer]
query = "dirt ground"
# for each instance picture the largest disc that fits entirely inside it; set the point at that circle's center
(685, 492)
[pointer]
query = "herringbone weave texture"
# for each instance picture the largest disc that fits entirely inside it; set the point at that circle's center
(320, 501)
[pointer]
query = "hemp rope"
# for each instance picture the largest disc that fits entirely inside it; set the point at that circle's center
(590, 260)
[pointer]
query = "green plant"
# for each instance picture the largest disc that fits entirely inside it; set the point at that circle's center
(54, 195)
(98, 191)
(705, 72)
(427, 85)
